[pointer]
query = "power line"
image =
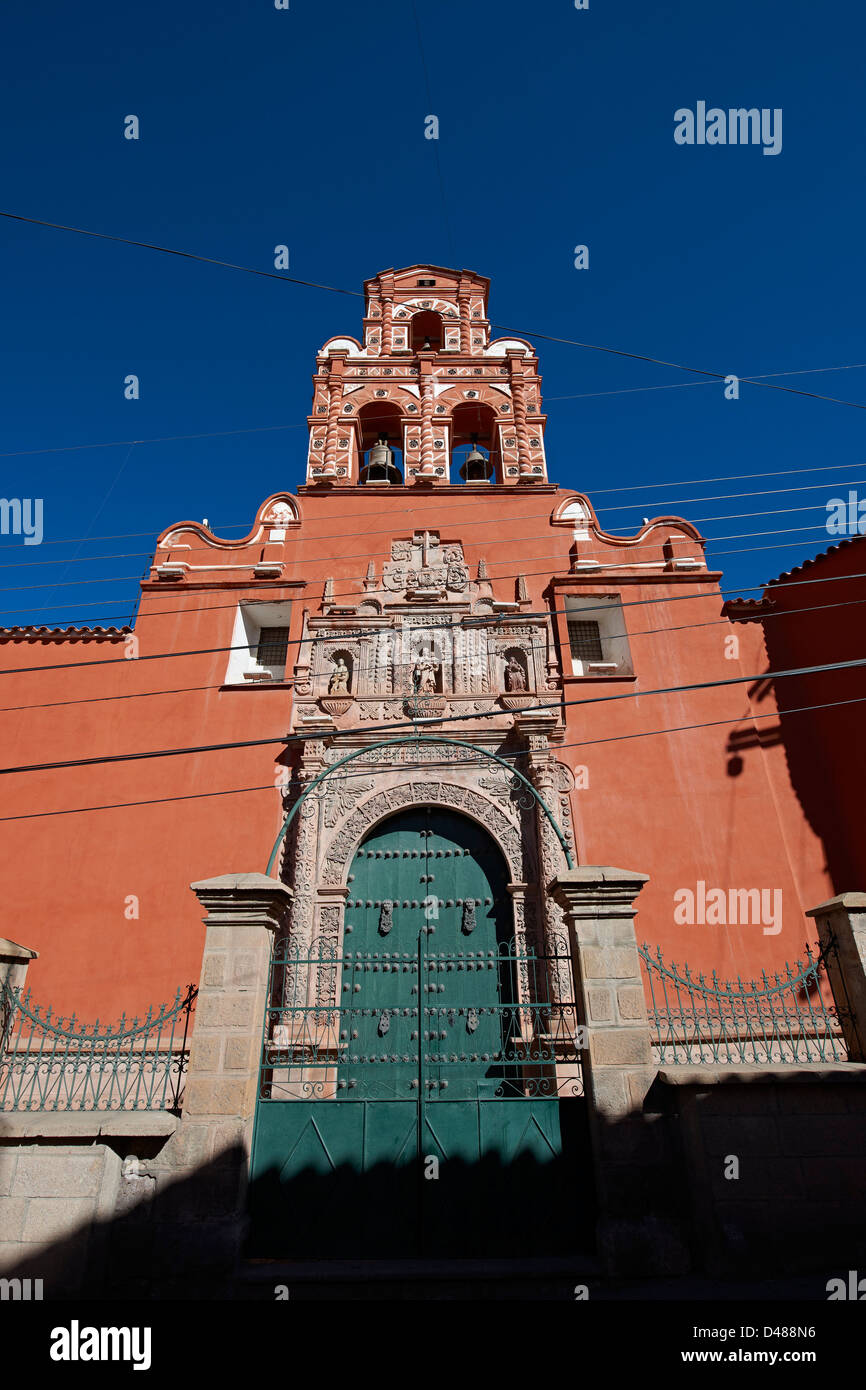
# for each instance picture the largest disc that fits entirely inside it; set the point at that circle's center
(708, 541)
(533, 647)
(676, 366)
(186, 255)
(469, 761)
(395, 728)
(159, 439)
(419, 506)
(485, 619)
(686, 385)
(503, 328)
(385, 555)
(267, 429)
(601, 576)
(298, 538)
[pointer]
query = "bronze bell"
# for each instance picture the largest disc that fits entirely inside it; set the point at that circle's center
(380, 467)
(477, 467)
(380, 455)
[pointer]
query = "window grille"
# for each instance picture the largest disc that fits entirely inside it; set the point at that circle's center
(585, 640)
(273, 646)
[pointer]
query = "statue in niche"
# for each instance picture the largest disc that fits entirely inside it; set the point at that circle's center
(424, 675)
(515, 677)
(339, 682)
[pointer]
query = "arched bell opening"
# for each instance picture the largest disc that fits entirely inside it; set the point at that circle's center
(428, 332)
(475, 445)
(380, 426)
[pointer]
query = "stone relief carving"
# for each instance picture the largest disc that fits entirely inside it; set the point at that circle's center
(280, 514)
(395, 577)
(340, 850)
(329, 943)
(339, 800)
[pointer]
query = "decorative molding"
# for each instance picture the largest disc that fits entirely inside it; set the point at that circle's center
(339, 853)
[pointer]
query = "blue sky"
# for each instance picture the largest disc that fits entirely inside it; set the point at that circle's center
(306, 127)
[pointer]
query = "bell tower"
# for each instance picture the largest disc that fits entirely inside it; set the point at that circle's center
(426, 399)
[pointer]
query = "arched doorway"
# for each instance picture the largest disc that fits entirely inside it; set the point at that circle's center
(418, 1094)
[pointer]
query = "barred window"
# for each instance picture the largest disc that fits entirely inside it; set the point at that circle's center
(273, 646)
(584, 639)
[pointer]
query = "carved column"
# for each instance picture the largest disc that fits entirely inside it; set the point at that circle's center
(328, 948)
(387, 326)
(301, 857)
(465, 324)
(335, 399)
(541, 770)
(521, 427)
(525, 941)
(426, 417)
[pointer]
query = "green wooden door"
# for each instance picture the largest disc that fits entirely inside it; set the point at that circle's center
(427, 890)
(428, 1137)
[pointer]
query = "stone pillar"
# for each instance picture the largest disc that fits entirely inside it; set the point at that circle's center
(244, 911)
(841, 926)
(638, 1229)
(14, 960)
(192, 1228)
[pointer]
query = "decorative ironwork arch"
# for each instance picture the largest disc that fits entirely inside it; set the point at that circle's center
(382, 805)
(427, 739)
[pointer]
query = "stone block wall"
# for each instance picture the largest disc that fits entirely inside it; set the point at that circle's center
(773, 1160)
(53, 1197)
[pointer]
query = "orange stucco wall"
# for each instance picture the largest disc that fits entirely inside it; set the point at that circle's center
(668, 804)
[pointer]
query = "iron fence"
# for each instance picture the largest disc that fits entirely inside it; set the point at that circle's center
(787, 1017)
(424, 1025)
(57, 1063)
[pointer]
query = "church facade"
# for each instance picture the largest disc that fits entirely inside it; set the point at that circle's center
(428, 574)
(423, 742)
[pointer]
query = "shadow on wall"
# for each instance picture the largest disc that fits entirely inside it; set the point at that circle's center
(183, 1239)
(178, 1242)
(797, 1204)
(771, 1167)
(451, 1208)
(825, 751)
